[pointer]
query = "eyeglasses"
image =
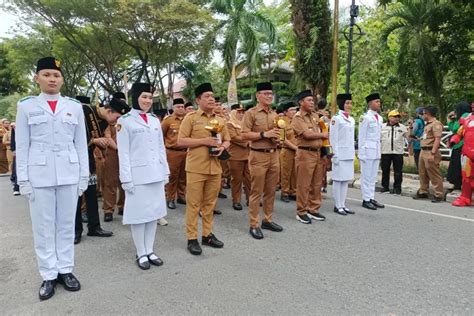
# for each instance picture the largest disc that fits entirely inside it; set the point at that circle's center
(266, 93)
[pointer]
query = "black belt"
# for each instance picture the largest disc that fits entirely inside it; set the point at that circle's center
(309, 148)
(426, 147)
(288, 148)
(264, 150)
(176, 149)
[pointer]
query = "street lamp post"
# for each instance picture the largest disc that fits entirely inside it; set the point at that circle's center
(354, 11)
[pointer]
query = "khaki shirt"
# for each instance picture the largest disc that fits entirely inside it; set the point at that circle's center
(304, 122)
(432, 130)
(257, 120)
(239, 149)
(170, 127)
(198, 159)
(289, 133)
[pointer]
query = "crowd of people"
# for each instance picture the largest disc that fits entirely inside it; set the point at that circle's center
(68, 153)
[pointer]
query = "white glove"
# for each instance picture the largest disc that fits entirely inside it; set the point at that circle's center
(335, 161)
(27, 190)
(129, 187)
(83, 185)
(167, 179)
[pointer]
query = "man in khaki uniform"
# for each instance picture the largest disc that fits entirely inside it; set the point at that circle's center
(308, 159)
(260, 129)
(176, 155)
(203, 171)
(4, 127)
(430, 157)
(287, 156)
(7, 137)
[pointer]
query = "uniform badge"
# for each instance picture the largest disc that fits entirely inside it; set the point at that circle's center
(68, 114)
(118, 127)
(58, 63)
(333, 122)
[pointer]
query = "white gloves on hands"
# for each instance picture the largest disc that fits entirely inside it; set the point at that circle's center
(335, 160)
(83, 184)
(129, 187)
(27, 190)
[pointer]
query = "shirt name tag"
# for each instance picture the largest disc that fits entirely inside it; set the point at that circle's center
(35, 113)
(138, 130)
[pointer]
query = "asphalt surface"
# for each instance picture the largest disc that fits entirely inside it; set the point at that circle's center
(399, 260)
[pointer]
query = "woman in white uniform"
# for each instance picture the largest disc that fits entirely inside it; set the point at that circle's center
(341, 137)
(144, 172)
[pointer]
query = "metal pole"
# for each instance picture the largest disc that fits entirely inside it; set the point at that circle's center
(335, 31)
(349, 53)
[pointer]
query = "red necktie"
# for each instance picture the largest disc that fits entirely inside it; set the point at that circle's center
(144, 117)
(377, 117)
(346, 114)
(52, 105)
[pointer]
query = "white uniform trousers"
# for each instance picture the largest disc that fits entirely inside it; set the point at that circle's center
(53, 214)
(368, 170)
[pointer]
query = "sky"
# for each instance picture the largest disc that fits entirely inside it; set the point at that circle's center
(8, 20)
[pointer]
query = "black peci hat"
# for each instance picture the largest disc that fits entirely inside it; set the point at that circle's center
(48, 63)
(119, 106)
(178, 101)
(341, 99)
(287, 105)
(83, 99)
(303, 94)
(188, 104)
(264, 86)
(371, 97)
(237, 106)
(119, 95)
(205, 87)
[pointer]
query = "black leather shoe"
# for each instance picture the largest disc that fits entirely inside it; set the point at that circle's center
(256, 233)
(437, 200)
(368, 205)
(156, 262)
(108, 217)
(377, 204)
(142, 265)
(84, 217)
(69, 281)
(46, 290)
(222, 196)
(348, 211)
(171, 205)
(77, 239)
(274, 227)
(212, 241)
(419, 196)
(340, 211)
(384, 190)
(181, 201)
(285, 198)
(99, 232)
(194, 248)
(120, 211)
(217, 212)
(237, 206)
(292, 197)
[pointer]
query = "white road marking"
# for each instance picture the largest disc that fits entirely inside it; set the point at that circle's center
(423, 212)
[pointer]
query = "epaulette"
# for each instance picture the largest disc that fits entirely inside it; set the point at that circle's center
(75, 100)
(125, 115)
(26, 98)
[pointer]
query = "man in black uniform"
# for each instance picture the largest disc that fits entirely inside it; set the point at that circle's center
(96, 123)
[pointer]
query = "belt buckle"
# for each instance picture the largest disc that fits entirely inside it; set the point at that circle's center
(272, 150)
(56, 148)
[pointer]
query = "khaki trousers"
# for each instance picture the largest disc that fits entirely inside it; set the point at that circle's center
(201, 195)
(3, 159)
(264, 171)
(177, 182)
(429, 171)
(111, 184)
(288, 172)
(309, 170)
(239, 170)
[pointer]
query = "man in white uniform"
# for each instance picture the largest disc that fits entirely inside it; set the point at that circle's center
(370, 127)
(52, 170)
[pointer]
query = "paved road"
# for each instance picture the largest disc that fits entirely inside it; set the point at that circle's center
(393, 261)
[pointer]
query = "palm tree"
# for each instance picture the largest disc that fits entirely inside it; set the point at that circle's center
(413, 21)
(243, 29)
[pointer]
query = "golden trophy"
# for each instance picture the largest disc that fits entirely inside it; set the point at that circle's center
(215, 128)
(326, 149)
(281, 124)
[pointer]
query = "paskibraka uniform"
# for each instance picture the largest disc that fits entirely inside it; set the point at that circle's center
(176, 158)
(203, 173)
(370, 127)
(308, 163)
(51, 151)
(429, 169)
(264, 164)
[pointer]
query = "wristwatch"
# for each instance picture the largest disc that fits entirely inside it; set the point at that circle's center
(262, 136)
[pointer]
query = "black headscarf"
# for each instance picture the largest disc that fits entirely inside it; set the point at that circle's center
(137, 89)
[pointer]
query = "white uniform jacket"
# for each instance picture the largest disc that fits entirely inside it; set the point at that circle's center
(370, 128)
(341, 136)
(394, 138)
(51, 148)
(141, 149)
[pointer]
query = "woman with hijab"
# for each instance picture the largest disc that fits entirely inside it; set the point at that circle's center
(144, 172)
(238, 161)
(463, 109)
